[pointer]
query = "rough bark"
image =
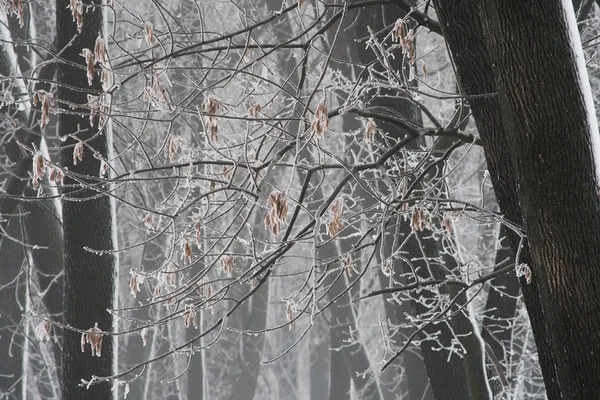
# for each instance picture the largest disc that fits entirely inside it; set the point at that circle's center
(89, 277)
(534, 106)
(544, 110)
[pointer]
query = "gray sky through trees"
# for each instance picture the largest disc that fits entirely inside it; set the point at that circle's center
(281, 199)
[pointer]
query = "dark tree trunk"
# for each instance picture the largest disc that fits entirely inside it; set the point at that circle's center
(541, 92)
(320, 377)
(416, 382)
(448, 379)
(12, 296)
(42, 228)
(500, 309)
(461, 376)
(343, 322)
(462, 29)
(253, 317)
(339, 378)
(539, 99)
(89, 277)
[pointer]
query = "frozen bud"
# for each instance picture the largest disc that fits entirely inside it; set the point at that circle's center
(187, 254)
(254, 111)
(56, 176)
(144, 335)
(349, 265)
(190, 316)
(204, 288)
(210, 105)
(370, 131)
(320, 121)
(226, 174)
(172, 146)
(289, 313)
(169, 273)
(420, 219)
(135, 282)
(78, 153)
(16, 8)
(38, 167)
(227, 263)
(76, 7)
(447, 224)
(149, 33)
(47, 100)
(150, 221)
(278, 210)
(89, 61)
(103, 168)
(105, 78)
(398, 31)
(386, 267)
(93, 336)
(157, 290)
(334, 226)
(100, 55)
(43, 330)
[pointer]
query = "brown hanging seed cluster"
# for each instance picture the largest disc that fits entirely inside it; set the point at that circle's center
(370, 131)
(278, 210)
(334, 226)
(420, 219)
(210, 107)
(227, 263)
(47, 100)
(320, 121)
(93, 336)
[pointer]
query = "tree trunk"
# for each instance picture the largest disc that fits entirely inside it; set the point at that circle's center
(42, 229)
(12, 298)
(540, 91)
(339, 378)
(320, 378)
(462, 29)
(542, 84)
(343, 323)
(416, 382)
(500, 310)
(87, 222)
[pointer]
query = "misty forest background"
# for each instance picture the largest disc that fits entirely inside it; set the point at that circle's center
(262, 199)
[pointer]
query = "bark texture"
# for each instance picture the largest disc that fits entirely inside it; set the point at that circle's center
(532, 122)
(89, 277)
(542, 101)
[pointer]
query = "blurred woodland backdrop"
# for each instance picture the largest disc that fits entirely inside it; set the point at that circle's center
(281, 199)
